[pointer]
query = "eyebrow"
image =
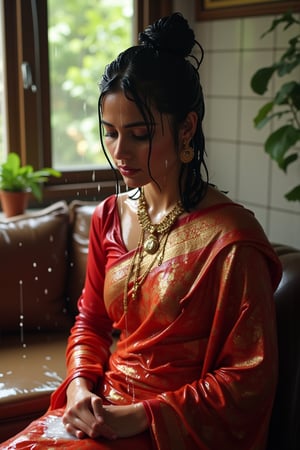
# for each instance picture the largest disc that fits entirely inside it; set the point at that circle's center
(128, 125)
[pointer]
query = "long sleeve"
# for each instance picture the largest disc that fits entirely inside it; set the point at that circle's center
(88, 347)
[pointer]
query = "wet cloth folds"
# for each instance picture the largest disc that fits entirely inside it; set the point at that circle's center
(198, 346)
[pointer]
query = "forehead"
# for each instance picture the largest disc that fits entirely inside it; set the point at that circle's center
(117, 105)
(119, 111)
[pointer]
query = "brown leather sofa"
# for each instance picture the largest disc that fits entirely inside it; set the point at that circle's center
(42, 269)
(284, 431)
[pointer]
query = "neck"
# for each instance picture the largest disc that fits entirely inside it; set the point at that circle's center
(159, 203)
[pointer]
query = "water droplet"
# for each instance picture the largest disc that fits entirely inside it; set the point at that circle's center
(34, 264)
(45, 291)
(36, 278)
(51, 238)
(20, 244)
(49, 269)
(21, 324)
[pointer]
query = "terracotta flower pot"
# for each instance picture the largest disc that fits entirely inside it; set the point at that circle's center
(14, 203)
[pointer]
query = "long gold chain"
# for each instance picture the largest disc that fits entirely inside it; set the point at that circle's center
(163, 229)
(151, 244)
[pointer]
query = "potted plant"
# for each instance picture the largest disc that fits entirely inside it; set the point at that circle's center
(280, 144)
(16, 182)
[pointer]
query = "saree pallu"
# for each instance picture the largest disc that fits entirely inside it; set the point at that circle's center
(197, 346)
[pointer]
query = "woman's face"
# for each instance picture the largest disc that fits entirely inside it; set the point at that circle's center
(127, 141)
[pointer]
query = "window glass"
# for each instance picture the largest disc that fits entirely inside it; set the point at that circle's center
(83, 35)
(3, 144)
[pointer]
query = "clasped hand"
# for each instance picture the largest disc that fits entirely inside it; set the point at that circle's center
(86, 416)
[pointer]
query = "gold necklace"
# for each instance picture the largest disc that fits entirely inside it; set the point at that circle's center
(151, 244)
(134, 271)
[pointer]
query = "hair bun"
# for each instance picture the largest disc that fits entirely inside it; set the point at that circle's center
(171, 34)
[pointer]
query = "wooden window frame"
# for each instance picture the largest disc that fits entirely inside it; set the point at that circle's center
(28, 112)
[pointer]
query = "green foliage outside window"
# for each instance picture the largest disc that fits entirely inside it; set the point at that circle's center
(84, 36)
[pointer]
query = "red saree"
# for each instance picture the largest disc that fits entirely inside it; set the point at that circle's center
(198, 346)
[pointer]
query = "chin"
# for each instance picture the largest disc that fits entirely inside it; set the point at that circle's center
(133, 184)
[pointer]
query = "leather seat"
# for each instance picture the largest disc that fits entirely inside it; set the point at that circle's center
(285, 421)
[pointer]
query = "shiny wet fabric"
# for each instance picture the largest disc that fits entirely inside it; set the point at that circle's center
(37, 437)
(198, 345)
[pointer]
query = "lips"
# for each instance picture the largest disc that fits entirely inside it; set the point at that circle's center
(127, 171)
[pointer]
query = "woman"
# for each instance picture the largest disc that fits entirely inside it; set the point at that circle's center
(183, 272)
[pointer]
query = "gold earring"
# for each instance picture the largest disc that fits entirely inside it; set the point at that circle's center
(187, 153)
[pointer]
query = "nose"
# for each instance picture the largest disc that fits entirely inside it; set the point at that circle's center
(121, 148)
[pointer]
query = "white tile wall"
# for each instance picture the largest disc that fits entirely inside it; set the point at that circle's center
(253, 175)
(223, 175)
(237, 161)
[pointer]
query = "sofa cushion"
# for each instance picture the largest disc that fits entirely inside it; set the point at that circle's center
(80, 217)
(33, 271)
(29, 375)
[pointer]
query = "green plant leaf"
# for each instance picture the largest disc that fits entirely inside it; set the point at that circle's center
(280, 141)
(294, 194)
(261, 78)
(277, 114)
(262, 116)
(14, 177)
(12, 163)
(288, 160)
(285, 67)
(287, 18)
(36, 190)
(286, 92)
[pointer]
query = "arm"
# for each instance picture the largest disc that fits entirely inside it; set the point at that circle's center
(88, 351)
(88, 347)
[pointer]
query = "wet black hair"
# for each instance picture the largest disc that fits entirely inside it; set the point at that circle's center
(161, 72)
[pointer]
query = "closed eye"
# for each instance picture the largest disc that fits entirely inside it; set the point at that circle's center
(110, 134)
(141, 137)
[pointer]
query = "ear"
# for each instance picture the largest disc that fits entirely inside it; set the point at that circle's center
(188, 127)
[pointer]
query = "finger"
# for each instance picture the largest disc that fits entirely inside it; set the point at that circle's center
(78, 424)
(87, 425)
(97, 408)
(74, 431)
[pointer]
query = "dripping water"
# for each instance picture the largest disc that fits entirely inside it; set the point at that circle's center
(21, 323)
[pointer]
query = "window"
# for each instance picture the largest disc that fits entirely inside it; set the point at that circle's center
(52, 119)
(80, 46)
